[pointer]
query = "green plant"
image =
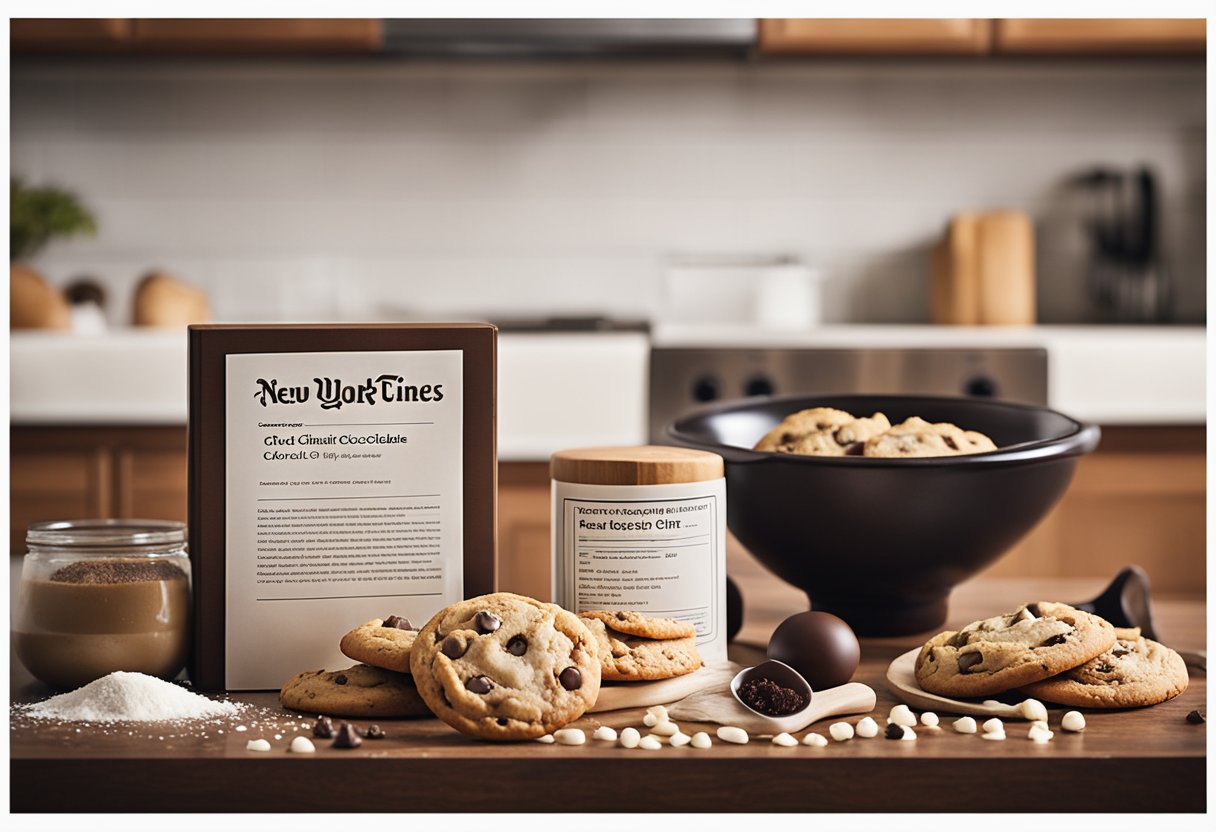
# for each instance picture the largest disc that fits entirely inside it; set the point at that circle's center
(38, 215)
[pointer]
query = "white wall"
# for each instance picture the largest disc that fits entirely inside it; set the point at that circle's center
(371, 189)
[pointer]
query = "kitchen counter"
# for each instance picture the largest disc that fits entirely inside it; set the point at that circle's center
(1138, 760)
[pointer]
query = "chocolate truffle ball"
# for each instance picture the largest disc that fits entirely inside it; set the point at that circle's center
(818, 645)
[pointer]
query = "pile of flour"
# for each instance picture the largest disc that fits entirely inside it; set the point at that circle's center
(130, 697)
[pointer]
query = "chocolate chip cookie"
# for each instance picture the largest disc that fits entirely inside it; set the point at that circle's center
(822, 431)
(359, 691)
(1135, 672)
(382, 643)
(1011, 651)
(632, 658)
(633, 623)
(914, 437)
(506, 667)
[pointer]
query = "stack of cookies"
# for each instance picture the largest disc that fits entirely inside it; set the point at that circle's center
(634, 647)
(379, 686)
(1052, 652)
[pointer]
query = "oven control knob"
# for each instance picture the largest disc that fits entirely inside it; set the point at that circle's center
(759, 386)
(981, 386)
(705, 389)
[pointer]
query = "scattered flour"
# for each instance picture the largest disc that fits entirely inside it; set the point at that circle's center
(129, 697)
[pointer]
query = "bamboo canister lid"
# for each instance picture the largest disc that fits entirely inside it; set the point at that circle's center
(635, 465)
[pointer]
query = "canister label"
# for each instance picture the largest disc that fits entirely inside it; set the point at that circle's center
(657, 549)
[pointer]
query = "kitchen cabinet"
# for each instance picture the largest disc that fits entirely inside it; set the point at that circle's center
(280, 35)
(922, 36)
(1141, 498)
(60, 473)
(69, 34)
(1100, 37)
(197, 36)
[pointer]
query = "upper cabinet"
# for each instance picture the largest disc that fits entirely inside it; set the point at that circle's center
(69, 34)
(962, 36)
(214, 36)
(1101, 37)
(941, 36)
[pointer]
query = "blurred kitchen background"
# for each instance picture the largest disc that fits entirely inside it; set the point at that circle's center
(657, 213)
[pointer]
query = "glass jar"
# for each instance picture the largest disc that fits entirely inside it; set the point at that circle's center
(103, 595)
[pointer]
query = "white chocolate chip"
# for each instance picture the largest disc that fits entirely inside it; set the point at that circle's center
(929, 719)
(701, 740)
(902, 715)
(909, 734)
(665, 729)
(547, 739)
(650, 743)
(257, 745)
(730, 733)
(630, 737)
(1038, 723)
(302, 745)
(1073, 721)
(605, 733)
(784, 740)
(1039, 733)
(650, 720)
(680, 739)
(570, 736)
(1033, 710)
(659, 711)
(841, 731)
(816, 740)
(994, 735)
(867, 727)
(965, 725)
(240, 729)
(993, 725)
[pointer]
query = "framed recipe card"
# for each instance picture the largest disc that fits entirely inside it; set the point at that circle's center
(338, 473)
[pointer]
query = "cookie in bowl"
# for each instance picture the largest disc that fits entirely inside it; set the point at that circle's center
(506, 667)
(822, 431)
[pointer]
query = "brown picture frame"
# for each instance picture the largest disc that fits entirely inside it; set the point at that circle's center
(209, 344)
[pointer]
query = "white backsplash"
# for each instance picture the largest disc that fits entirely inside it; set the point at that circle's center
(375, 189)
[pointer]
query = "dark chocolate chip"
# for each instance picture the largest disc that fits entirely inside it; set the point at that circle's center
(479, 684)
(375, 732)
(347, 737)
(895, 732)
(517, 646)
(486, 622)
(959, 639)
(324, 729)
(570, 678)
(950, 443)
(340, 679)
(398, 622)
(502, 720)
(453, 647)
(1054, 640)
(966, 661)
(1104, 668)
(1034, 610)
(1196, 718)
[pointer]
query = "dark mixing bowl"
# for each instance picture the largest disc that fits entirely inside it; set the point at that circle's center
(881, 542)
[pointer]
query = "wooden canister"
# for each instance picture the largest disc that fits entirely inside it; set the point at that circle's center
(643, 528)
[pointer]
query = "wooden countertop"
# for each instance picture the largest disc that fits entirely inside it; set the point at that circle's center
(1141, 760)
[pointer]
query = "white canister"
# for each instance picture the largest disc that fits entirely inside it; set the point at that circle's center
(643, 528)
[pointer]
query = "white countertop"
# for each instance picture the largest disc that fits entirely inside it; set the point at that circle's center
(565, 390)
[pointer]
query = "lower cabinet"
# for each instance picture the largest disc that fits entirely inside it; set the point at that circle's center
(1141, 498)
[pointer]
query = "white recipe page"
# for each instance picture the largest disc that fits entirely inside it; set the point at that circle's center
(344, 502)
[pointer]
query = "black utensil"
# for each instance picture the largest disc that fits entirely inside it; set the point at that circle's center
(1126, 602)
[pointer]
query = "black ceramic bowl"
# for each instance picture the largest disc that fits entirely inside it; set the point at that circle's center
(881, 542)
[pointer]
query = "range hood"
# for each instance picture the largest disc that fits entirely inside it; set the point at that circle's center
(568, 38)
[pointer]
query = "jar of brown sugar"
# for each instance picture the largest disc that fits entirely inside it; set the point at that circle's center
(98, 596)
